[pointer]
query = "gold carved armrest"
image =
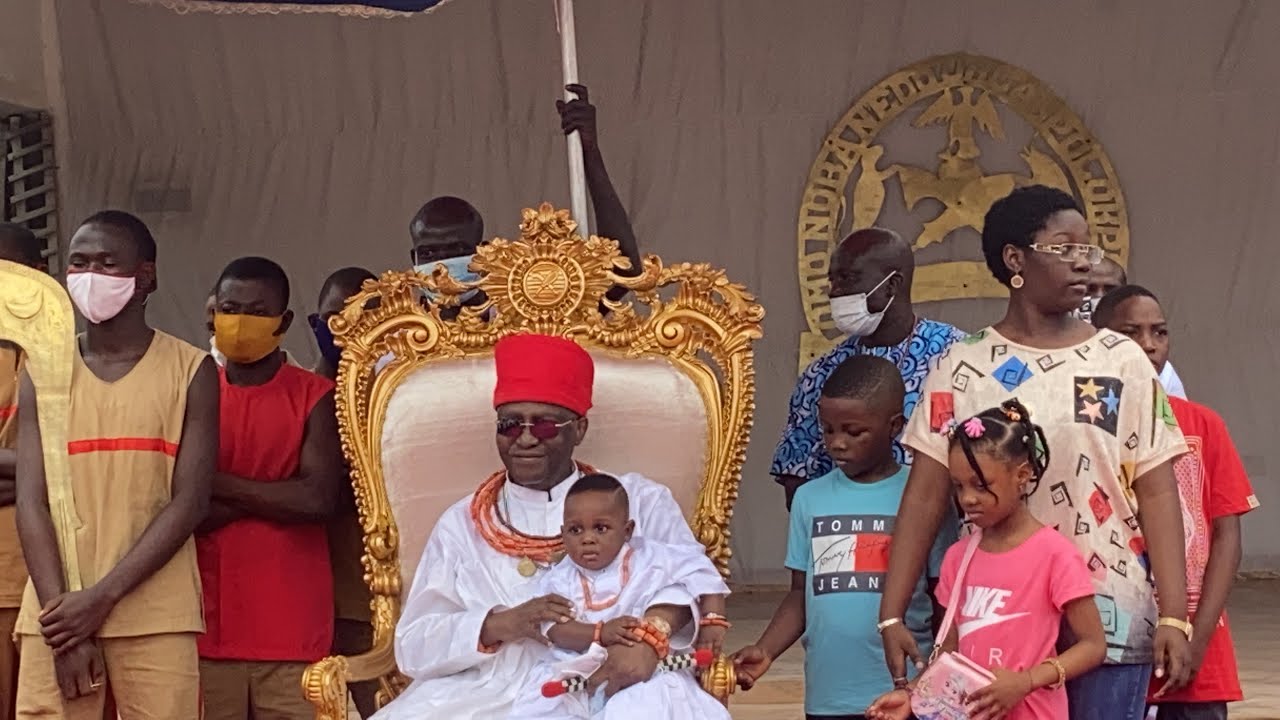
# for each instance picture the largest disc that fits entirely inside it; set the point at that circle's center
(719, 679)
(325, 683)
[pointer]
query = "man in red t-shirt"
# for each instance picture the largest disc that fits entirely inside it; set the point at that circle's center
(263, 552)
(1215, 492)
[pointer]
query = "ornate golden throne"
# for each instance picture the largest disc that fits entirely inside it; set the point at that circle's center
(673, 400)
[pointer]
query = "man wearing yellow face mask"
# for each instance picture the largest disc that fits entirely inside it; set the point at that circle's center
(263, 552)
(210, 307)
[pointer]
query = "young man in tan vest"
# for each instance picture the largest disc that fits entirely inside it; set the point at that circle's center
(143, 440)
(18, 245)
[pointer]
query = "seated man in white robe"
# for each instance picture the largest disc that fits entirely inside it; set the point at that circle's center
(471, 628)
(616, 583)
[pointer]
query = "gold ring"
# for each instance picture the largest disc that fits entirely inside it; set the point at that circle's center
(95, 686)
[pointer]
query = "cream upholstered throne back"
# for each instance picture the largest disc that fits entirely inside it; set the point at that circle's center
(672, 400)
(438, 441)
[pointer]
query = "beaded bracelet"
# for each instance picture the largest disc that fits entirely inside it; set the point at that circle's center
(599, 630)
(655, 638)
(715, 620)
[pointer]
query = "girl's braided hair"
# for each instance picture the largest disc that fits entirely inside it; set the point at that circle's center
(1008, 431)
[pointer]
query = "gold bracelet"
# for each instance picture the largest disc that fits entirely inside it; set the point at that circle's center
(1175, 623)
(884, 624)
(1062, 673)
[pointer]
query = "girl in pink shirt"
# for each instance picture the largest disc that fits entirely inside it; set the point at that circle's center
(1023, 579)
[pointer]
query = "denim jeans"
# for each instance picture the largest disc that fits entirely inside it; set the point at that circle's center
(1110, 692)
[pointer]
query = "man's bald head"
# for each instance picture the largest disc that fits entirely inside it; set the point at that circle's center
(867, 257)
(18, 244)
(339, 286)
(1105, 277)
(445, 227)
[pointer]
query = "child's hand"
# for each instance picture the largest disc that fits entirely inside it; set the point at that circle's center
(750, 663)
(995, 700)
(618, 631)
(712, 638)
(893, 705)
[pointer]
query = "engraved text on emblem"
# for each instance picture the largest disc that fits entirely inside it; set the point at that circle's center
(545, 283)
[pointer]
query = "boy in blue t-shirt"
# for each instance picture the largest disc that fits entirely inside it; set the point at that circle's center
(838, 550)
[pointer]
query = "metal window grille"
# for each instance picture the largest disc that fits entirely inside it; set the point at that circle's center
(28, 169)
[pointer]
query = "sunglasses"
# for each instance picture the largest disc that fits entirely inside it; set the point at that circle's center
(540, 429)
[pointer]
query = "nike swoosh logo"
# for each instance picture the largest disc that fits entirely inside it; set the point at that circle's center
(973, 625)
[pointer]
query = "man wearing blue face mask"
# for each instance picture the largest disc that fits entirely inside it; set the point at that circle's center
(447, 230)
(870, 291)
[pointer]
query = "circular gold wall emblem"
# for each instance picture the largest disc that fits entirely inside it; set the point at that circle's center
(961, 93)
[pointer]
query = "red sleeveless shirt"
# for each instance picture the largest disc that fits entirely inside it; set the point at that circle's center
(268, 587)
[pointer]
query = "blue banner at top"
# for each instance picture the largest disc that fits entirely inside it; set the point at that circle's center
(360, 8)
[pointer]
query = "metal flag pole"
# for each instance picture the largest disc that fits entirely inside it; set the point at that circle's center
(569, 65)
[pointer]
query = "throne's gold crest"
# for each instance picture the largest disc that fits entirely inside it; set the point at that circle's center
(959, 97)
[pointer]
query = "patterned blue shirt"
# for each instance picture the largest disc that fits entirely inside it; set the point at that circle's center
(801, 452)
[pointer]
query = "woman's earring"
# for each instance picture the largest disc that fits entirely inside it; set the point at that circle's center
(1016, 282)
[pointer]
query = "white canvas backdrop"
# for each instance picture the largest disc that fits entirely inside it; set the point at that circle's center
(313, 139)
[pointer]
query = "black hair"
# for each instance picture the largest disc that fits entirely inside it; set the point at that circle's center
(137, 230)
(1015, 219)
(869, 378)
(25, 241)
(600, 482)
(348, 279)
(257, 268)
(448, 215)
(1107, 306)
(1008, 431)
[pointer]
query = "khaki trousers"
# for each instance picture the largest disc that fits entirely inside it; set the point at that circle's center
(151, 677)
(8, 663)
(250, 690)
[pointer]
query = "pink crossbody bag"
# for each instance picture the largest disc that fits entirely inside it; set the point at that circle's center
(944, 687)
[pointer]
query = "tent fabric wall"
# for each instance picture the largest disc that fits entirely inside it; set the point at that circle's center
(312, 139)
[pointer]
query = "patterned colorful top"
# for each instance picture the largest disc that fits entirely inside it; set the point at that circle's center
(1107, 421)
(801, 452)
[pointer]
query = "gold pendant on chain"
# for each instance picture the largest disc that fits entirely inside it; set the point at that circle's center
(526, 567)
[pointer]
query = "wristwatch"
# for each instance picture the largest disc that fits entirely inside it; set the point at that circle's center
(1182, 625)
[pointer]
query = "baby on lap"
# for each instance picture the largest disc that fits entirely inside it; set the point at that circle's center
(614, 581)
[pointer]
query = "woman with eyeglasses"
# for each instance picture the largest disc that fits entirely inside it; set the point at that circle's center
(1113, 438)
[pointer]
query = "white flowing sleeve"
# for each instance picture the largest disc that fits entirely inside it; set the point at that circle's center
(439, 631)
(690, 575)
(657, 514)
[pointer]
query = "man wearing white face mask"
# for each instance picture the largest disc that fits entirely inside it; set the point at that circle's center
(870, 291)
(143, 446)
